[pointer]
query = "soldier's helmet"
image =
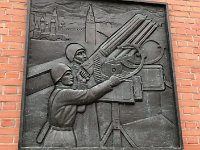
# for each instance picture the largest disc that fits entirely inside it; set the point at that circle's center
(58, 71)
(71, 50)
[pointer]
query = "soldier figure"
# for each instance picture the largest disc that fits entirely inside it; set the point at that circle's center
(63, 103)
(76, 54)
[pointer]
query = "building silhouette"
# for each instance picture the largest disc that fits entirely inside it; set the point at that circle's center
(49, 28)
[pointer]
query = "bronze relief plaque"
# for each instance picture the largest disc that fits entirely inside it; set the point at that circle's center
(99, 77)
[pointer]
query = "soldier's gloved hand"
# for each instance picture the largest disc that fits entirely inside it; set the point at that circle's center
(80, 77)
(116, 80)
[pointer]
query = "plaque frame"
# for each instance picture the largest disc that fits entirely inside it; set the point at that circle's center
(27, 45)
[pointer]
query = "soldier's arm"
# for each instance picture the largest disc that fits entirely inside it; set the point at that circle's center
(82, 97)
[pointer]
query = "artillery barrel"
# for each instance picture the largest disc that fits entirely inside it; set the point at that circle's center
(115, 39)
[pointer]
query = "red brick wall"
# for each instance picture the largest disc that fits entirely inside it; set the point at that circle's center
(185, 28)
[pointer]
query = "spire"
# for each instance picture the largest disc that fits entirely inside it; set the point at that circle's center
(90, 26)
(55, 17)
(55, 12)
(42, 19)
(37, 27)
(42, 24)
(90, 15)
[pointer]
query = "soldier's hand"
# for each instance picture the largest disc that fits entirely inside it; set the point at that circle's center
(80, 77)
(116, 79)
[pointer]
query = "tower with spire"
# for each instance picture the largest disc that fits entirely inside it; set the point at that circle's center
(55, 17)
(90, 26)
(42, 24)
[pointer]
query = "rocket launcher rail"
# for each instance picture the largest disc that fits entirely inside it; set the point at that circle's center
(115, 39)
(135, 31)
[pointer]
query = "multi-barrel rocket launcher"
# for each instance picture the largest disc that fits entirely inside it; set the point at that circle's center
(125, 42)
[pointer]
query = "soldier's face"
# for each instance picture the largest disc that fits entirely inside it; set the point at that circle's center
(80, 56)
(67, 79)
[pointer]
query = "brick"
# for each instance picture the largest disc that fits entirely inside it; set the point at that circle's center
(187, 56)
(19, 5)
(196, 96)
(196, 9)
(10, 98)
(197, 38)
(5, 18)
(182, 43)
(9, 147)
(17, 123)
(11, 67)
(179, 13)
(195, 83)
(10, 90)
(179, 25)
(183, 49)
(184, 20)
(2, 74)
(175, 2)
(188, 110)
(197, 110)
(9, 131)
(16, 60)
(184, 76)
(16, 139)
(193, 44)
(191, 132)
(3, 46)
(15, 45)
(182, 124)
(2, 11)
(16, 12)
(184, 69)
(194, 15)
(186, 96)
(196, 51)
(6, 139)
(15, 32)
(5, 5)
(13, 39)
(192, 147)
(192, 140)
(19, 19)
(173, 30)
(190, 118)
(187, 63)
(12, 75)
(180, 31)
(191, 32)
(186, 89)
(13, 53)
(11, 114)
(7, 123)
(3, 59)
(197, 76)
(185, 83)
(3, 31)
(190, 124)
(16, 25)
(182, 8)
(12, 82)
(24, 1)
(193, 3)
(9, 106)
(188, 103)
(184, 140)
(182, 38)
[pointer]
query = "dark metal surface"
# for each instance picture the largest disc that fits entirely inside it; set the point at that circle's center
(99, 75)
